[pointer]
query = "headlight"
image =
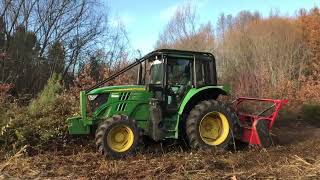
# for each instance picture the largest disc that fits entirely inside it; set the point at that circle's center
(92, 97)
(95, 101)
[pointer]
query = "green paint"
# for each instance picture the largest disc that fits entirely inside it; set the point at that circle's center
(171, 122)
(77, 126)
(132, 101)
(83, 104)
(175, 119)
(117, 89)
(80, 124)
(192, 92)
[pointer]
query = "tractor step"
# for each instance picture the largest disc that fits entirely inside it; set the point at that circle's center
(76, 126)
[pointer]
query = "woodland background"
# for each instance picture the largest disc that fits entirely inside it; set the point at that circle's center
(50, 50)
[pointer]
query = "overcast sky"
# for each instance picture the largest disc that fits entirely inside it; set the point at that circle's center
(145, 19)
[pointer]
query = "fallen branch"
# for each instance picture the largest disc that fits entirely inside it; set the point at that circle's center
(18, 154)
(302, 160)
(233, 174)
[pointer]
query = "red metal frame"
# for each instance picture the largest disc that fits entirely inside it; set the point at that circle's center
(249, 132)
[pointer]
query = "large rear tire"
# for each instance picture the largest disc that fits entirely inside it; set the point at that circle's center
(212, 124)
(117, 137)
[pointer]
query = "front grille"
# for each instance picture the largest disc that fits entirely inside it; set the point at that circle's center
(124, 96)
(121, 106)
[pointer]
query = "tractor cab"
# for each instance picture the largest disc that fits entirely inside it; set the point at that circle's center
(170, 74)
(172, 77)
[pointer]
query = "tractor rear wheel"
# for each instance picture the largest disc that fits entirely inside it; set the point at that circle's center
(117, 137)
(212, 124)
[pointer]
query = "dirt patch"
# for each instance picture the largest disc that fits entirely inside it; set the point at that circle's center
(296, 155)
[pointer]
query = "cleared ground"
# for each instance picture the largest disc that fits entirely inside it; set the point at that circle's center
(296, 155)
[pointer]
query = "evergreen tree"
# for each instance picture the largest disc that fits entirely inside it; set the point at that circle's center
(56, 58)
(23, 67)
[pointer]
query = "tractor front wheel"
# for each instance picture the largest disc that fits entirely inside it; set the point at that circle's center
(117, 137)
(211, 124)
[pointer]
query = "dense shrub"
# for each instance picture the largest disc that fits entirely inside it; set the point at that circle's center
(46, 101)
(4, 106)
(42, 124)
(4, 119)
(311, 114)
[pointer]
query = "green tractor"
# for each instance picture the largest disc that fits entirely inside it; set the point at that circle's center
(175, 98)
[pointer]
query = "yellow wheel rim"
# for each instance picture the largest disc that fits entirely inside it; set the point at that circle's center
(120, 138)
(214, 128)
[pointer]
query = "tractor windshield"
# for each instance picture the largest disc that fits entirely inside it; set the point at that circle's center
(156, 72)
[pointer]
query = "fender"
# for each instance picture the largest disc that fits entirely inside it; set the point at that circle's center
(187, 100)
(224, 90)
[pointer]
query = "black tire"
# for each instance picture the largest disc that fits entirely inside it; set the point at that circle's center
(263, 133)
(199, 112)
(105, 128)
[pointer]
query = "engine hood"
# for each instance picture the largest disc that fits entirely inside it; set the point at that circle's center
(124, 88)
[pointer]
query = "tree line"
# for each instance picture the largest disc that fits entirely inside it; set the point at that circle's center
(41, 37)
(275, 56)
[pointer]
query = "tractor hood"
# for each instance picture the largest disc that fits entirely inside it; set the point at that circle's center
(124, 88)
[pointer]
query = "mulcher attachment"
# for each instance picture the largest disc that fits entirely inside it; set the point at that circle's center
(256, 128)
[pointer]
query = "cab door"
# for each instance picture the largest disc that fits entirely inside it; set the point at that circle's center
(178, 80)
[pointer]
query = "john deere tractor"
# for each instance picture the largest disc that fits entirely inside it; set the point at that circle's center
(175, 98)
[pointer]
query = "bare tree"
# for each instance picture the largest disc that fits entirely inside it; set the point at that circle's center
(79, 27)
(183, 32)
(260, 57)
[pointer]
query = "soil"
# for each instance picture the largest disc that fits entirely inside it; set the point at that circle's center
(295, 155)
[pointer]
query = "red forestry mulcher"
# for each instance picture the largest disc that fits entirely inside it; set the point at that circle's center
(256, 128)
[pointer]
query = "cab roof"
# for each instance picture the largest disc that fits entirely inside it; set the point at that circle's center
(177, 52)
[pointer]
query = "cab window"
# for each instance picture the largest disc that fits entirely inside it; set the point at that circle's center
(179, 71)
(204, 72)
(156, 72)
